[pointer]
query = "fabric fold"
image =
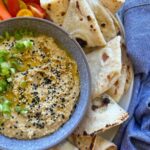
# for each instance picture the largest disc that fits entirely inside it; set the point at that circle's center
(135, 133)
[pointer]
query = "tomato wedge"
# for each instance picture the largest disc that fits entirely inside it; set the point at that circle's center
(37, 10)
(4, 14)
(32, 1)
(13, 7)
(24, 13)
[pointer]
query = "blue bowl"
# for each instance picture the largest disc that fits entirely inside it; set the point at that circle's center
(50, 29)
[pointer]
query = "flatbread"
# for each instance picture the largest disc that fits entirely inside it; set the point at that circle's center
(105, 66)
(130, 74)
(103, 144)
(115, 20)
(56, 9)
(83, 142)
(113, 5)
(65, 146)
(117, 90)
(103, 113)
(81, 23)
(104, 19)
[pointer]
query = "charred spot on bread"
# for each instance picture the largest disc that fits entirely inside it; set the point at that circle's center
(81, 42)
(105, 101)
(103, 25)
(105, 57)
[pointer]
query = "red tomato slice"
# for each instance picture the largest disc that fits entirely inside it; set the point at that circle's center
(32, 1)
(4, 13)
(37, 10)
(13, 7)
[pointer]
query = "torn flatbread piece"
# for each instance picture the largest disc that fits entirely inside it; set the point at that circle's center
(56, 9)
(113, 5)
(65, 146)
(115, 20)
(81, 23)
(105, 66)
(103, 144)
(117, 90)
(104, 19)
(103, 114)
(83, 142)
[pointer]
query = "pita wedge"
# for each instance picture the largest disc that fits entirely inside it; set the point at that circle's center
(113, 5)
(117, 90)
(128, 64)
(105, 66)
(115, 20)
(56, 9)
(81, 23)
(102, 144)
(104, 19)
(65, 146)
(103, 113)
(83, 142)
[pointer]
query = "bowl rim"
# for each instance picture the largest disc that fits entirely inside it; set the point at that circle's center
(89, 83)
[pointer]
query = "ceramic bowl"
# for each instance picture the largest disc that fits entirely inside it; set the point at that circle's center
(50, 29)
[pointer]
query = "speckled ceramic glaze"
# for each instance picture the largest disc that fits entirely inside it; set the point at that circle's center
(48, 28)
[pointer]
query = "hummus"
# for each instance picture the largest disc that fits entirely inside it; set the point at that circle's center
(46, 86)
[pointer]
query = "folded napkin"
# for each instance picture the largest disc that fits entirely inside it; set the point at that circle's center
(135, 133)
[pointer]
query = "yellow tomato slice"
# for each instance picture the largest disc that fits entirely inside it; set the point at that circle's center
(22, 5)
(24, 13)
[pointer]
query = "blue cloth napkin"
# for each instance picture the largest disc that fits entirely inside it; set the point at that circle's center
(135, 133)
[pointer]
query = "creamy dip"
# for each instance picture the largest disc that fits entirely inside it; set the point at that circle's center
(42, 93)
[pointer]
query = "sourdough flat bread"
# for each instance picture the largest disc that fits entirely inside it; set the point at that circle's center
(65, 146)
(117, 90)
(105, 66)
(102, 144)
(104, 19)
(103, 113)
(113, 5)
(56, 9)
(116, 23)
(81, 23)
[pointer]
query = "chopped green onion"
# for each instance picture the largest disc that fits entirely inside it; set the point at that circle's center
(4, 53)
(18, 109)
(18, 36)
(1, 60)
(9, 79)
(5, 72)
(28, 44)
(5, 65)
(5, 107)
(20, 46)
(24, 111)
(3, 85)
(5, 69)
(12, 70)
(23, 45)
(15, 64)
(7, 102)
(1, 107)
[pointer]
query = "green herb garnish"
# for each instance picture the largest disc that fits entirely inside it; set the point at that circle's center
(5, 106)
(22, 45)
(3, 85)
